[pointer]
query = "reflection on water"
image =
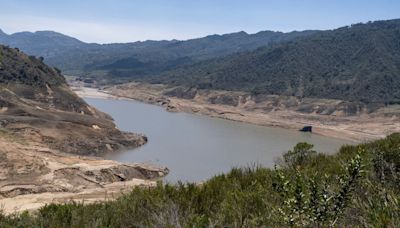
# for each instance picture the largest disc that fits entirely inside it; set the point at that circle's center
(196, 148)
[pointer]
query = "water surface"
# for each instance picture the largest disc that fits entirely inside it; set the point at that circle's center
(196, 148)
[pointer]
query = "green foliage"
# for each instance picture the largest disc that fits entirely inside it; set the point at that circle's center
(116, 63)
(300, 155)
(345, 189)
(315, 201)
(21, 69)
(357, 64)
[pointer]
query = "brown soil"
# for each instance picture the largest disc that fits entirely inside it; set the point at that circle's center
(42, 124)
(32, 175)
(79, 130)
(37, 166)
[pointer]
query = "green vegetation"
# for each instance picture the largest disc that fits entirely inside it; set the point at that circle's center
(358, 186)
(116, 63)
(300, 155)
(18, 68)
(28, 77)
(359, 63)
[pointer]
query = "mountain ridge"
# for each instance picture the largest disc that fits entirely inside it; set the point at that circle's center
(354, 63)
(94, 60)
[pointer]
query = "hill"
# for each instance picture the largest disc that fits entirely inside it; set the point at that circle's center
(47, 134)
(122, 62)
(358, 63)
(42, 43)
(35, 98)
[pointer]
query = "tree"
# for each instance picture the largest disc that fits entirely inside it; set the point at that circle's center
(300, 154)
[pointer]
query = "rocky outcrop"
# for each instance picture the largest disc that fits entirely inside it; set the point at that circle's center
(270, 103)
(225, 99)
(181, 92)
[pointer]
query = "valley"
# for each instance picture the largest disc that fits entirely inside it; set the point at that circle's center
(328, 117)
(296, 126)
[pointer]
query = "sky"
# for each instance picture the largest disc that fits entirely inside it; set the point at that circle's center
(108, 21)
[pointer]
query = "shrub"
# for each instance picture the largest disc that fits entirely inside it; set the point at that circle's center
(300, 155)
(342, 190)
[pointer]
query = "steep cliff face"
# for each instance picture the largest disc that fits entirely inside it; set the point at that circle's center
(37, 104)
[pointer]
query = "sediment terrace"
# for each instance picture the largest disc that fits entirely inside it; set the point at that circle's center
(332, 118)
(32, 175)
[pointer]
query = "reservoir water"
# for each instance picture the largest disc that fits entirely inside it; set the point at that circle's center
(196, 148)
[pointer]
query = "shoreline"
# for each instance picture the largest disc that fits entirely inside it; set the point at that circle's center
(356, 129)
(41, 164)
(48, 176)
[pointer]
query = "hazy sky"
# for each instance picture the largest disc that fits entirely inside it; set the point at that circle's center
(107, 21)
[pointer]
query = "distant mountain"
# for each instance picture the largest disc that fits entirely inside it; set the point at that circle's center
(139, 59)
(355, 63)
(43, 43)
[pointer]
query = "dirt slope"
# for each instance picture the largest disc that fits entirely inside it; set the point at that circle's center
(46, 133)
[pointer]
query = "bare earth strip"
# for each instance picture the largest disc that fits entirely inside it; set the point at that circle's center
(38, 176)
(358, 128)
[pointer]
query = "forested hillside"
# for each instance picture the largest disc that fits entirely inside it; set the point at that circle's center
(355, 63)
(127, 61)
(358, 63)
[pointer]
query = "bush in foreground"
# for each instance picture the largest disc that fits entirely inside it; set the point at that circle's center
(358, 186)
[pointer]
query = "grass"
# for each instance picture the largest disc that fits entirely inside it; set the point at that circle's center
(358, 187)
